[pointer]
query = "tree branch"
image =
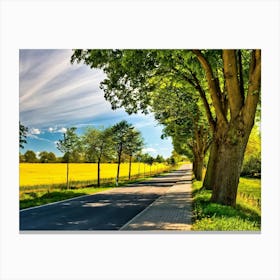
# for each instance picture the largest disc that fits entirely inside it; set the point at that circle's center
(205, 102)
(196, 84)
(240, 71)
(253, 95)
(232, 83)
(212, 86)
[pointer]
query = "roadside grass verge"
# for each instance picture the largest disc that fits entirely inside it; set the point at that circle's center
(44, 194)
(31, 199)
(245, 216)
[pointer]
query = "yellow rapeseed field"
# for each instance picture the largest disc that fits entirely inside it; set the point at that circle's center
(32, 174)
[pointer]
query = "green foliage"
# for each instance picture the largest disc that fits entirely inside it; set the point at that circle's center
(252, 159)
(22, 135)
(175, 158)
(21, 158)
(30, 157)
(134, 143)
(98, 144)
(148, 159)
(252, 166)
(159, 159)
(45, 157)
(68, 144)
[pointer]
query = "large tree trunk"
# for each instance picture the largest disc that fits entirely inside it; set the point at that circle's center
(230, 154)
(210, 170)
(231, 128)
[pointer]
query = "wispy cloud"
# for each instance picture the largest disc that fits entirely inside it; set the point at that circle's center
(56, 130)
(54, 91)
(39, 138)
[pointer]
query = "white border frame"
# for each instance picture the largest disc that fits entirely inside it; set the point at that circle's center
(135, 24)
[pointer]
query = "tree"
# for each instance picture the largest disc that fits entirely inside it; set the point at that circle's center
(30, 156)
(45, 157)
(134, 145)
(235, 109)
(121, 137)
(150, 160)
(51, 157)
(98, 145)
(21, 158)
(67, 145)
(228, 83)
(22, 135)
(175, 158)
(184, 121)
(159, 159)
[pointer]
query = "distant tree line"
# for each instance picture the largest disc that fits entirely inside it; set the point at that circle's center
(116, 144)
(49, 157)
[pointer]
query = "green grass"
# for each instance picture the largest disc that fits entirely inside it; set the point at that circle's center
(246, 216)
(31, 199)
(250, 187)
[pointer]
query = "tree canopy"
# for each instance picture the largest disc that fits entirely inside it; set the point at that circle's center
(227, 82)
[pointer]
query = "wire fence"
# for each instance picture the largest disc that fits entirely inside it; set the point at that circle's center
(251, 199)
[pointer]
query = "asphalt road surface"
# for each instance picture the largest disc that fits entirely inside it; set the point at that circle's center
(108, 210)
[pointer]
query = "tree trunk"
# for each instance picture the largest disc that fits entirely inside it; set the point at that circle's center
(198, 167)
(210, 170)
(67, 175)
(119, 163)
(98, 173)
(228, 163)
(118, 170)
(129, 169)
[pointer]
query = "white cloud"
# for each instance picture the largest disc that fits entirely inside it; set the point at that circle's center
(57, 130)
(62, 130)
(35, 131)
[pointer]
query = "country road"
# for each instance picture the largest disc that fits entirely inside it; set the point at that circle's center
(108, 210)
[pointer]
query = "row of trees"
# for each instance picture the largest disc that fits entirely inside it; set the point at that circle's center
(207, 100)
(118, 143)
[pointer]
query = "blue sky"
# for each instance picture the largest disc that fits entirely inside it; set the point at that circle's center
(54, 95)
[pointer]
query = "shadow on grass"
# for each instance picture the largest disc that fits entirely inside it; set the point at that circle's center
(206, 212)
